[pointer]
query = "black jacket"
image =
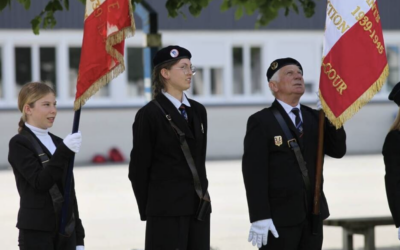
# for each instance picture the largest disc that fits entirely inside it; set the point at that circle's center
(33, 183)
(160, 176)
(391, 157)
(273, 181)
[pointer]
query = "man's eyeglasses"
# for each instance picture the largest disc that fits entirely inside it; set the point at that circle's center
(186, 68)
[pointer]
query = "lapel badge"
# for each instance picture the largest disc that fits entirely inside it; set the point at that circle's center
(278, 140)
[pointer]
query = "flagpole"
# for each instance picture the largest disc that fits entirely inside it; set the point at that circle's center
(95, 69)
(68, 180)
(316, 218)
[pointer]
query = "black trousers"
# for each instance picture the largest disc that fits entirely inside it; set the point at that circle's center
(298, 237)
(177, 233)
(41, 240)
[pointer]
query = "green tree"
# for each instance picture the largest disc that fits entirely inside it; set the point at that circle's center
(267, 9)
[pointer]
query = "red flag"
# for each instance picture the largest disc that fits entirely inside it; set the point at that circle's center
(354, 65)
(107, 24)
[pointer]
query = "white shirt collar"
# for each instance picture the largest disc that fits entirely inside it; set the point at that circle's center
(37, 131)
(44, 137)
(175, 101)
(287, 107)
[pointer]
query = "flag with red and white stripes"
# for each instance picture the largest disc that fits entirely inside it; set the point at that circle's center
(354, 65)
(107, 24)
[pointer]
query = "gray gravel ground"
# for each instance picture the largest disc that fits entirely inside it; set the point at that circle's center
(354, 187)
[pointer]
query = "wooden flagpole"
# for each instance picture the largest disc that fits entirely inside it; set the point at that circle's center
(316, 216)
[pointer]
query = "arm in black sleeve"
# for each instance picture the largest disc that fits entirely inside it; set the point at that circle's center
(391, 157)
(80, 231)
(255, 170)
(24, 159)
(141, 159)
(205, 128)
(334, 140)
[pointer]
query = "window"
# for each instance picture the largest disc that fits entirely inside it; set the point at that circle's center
(216, 81)
(207, 82)
(393, 58)
(48, 66)
(309, 87)
(23, 67)
(135, 71)
(1, 76)
(247, 69)
(255, 60)
(198, 82)
(74, 58)
(237, 54)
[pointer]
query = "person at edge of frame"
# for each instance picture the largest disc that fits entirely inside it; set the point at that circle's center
(161, 179)
(38, 220)
(280, 204)
(391, 157)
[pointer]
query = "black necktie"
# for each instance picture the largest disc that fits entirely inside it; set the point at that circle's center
(299, 123)
(183, 112)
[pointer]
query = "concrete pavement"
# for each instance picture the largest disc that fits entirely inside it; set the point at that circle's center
(354, 187)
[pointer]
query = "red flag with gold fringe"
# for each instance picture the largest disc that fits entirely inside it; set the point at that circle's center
(107, 24)
(354, 65)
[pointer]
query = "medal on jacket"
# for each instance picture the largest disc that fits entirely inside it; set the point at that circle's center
(278, 140)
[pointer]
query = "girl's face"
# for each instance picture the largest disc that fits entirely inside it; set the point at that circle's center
(179, 76)
(43, 113)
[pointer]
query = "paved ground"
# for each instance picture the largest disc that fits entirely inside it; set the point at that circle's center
(354, 187)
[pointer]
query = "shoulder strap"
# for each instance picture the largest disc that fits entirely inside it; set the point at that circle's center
(292, 143)
(54, 191)
(186, 152)
(43, 156)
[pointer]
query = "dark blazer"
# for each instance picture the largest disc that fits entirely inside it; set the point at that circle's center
(273, 181)
(160, 176)
(36, 210)
(391, 157)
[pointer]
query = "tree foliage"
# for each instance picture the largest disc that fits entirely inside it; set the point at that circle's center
(267, 9)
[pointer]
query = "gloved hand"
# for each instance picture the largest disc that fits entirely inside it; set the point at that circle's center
(80, 247)
(73, 141)
(319, 106)
(259, 232)
(398, 233)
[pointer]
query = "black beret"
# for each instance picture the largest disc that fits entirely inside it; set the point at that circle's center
(395, 94)
(279, 63)
(170, 53)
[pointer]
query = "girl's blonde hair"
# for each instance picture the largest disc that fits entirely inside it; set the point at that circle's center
(28, 95)
(396, 123)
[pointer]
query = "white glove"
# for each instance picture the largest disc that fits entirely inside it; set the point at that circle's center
(398, 233)
(259, 232)
(73, 141)
(319, 106)
(80, 247)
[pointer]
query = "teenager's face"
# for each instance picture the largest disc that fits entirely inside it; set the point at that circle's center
(43, 113)
(179, 76)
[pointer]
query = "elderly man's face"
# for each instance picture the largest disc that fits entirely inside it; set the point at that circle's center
(290, 83)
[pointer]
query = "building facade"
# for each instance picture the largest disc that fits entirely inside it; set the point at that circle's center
(231, 58)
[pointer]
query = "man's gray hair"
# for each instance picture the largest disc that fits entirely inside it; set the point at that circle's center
(275, 78)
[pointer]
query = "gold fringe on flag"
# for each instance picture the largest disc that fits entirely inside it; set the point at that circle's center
(112, 40)
(358, 104)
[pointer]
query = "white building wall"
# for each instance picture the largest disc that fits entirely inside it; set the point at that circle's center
(107, 121)
(103, 129)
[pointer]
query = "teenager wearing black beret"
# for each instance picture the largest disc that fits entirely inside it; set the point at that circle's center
(161, 177)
